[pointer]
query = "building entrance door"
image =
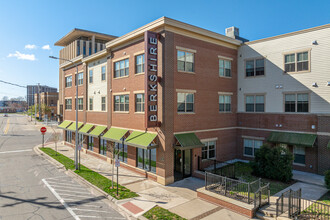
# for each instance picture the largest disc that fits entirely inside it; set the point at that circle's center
(182, 164)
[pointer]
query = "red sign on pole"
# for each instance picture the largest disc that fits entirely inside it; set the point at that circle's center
(43, 130)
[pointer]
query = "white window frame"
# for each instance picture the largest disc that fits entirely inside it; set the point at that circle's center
(224, 60)
(295, 53)
(80, 105)
(294, 153)
(255, 66)
(103, 104)
(124, 103)
(90, 76)
(142, 64)
(208, 149)
(185, 61)
(126, 73)
(255, 102)
(139, 103)
(225, 103)
(80, 77)
(296, 101)
(68, 83)
(66, 104)
(103, 74)
(91, 103)
(253, 146)
(185, 102)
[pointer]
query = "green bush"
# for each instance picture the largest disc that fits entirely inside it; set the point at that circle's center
(327, 178)
(273, 163)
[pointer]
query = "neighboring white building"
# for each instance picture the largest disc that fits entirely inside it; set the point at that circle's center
(311, 81)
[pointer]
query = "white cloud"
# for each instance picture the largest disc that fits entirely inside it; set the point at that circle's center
(30, 46)
(46, 47)
(22, 56)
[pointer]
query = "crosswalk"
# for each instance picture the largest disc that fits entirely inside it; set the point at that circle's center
(78, 201)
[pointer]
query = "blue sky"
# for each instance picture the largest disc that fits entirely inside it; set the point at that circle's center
(43, 22)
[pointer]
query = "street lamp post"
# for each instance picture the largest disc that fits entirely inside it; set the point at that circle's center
(76, 144)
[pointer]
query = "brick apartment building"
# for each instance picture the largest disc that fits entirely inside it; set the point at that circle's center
(171, 95)
(50, 100)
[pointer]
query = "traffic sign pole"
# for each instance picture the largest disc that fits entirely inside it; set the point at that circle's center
(43, 131)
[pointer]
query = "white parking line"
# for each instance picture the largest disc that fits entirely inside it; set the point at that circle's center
(63, 190)
(89, 216)
(14, 151)
(67, 187)
(62, 184)
(61, 200)
(62, 194)
(89, 210)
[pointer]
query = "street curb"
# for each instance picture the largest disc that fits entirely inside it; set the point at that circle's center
(112, 201)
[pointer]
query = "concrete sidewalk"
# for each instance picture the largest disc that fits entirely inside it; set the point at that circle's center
(179, 197)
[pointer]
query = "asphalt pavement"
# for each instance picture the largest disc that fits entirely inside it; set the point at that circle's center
(33, 188)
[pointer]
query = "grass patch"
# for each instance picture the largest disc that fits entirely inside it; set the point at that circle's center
(243, 171)
(325, 198)
(91, 176)
(158, 213)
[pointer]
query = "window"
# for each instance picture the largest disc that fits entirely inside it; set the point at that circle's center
(78, 47)
(251, 146)
(90, 76)
(80, 78)
(208, 151)
(185, 102)
(84, 47)
(80, 104)
(255, 67)
(68, 104)
(296, 62)
(146, 159)
(255, 103)
(90, 144)
(103, 73)
(103, 107)
(225, 68)
(103, 147)
(224, 103)
(121, 103)
(121, 68)
(296, 102)
(299, 154)
(139, 63)
(121, 151)
(90, 104)
(139, 102)
(90, 48)
(185, 61)
(69, 136)
(80, 139)
(68, 81)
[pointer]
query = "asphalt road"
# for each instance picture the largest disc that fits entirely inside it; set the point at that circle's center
(33, 188)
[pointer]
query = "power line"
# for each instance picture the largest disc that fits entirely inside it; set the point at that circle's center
(13, 84)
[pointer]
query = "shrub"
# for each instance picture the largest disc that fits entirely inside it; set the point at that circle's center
(273, 163)
(327, 178)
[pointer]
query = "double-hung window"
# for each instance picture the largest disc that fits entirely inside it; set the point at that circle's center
(103, 147)
(139, 64)
(296, 62)
(68, 104)
(255, 103)
(80, 104)
(251, 146)
(80, 78)
(90, 76)
(90, 104)
(139, 102)
(296, 102)
(103, 70)
(68, 81)
(255, 67)
(121, 68)
(299, 154)
(224, 103)
(121, 103)
(224, 68)
(103, 103)
(146, 159)
(185, 61)
(208, 151)
(185, 102)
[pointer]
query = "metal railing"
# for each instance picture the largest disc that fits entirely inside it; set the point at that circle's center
(247, 192)
(291, 205)
(217, 167)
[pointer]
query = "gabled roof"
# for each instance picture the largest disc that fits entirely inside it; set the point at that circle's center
(75, 33)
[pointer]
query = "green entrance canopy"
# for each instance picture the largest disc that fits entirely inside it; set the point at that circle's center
(97, 131)
(85, 129)
(115, 134)
(64, 124)
(141, 140)
(188, 141)
(72, 127)
(298, 139)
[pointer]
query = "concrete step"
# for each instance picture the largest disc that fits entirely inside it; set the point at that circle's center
(261, 215)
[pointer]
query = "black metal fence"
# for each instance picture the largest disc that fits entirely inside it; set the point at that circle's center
(291, 205)
(217, 167)
(248, 192)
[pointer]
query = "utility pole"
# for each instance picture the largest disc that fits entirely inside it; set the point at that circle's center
(40, 117)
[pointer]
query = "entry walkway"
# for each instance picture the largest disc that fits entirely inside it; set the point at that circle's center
(179, 197)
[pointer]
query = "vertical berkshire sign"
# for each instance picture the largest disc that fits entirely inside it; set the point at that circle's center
(151, 79)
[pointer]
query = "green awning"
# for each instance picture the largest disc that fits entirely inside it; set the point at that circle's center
(97, 131)
(64, 124)
(298, 139)
(188, 141)
(141, 140)
(328, 146)
(115, 134)
(85, 129)
(72, 127)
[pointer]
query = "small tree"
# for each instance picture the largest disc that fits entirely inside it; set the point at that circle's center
(273, 163)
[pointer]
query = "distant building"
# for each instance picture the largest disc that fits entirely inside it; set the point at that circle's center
(49, 99)
(12, 106)
(32, 89)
